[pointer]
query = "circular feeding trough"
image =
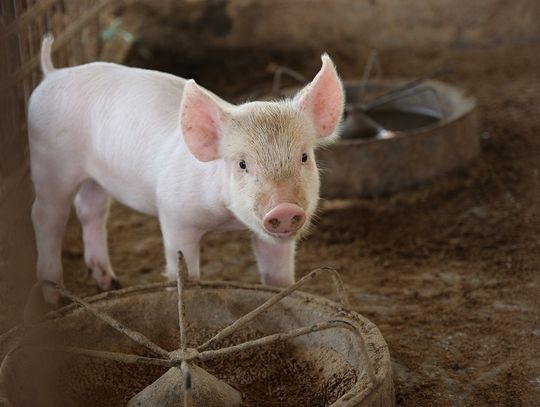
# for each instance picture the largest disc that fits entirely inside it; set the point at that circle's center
(204, 344)
(396, 134)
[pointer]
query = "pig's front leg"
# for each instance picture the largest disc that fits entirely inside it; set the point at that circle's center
(275, 261)
(175, 239)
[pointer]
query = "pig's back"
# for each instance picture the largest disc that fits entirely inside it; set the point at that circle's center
(121, 123)
(97, 94)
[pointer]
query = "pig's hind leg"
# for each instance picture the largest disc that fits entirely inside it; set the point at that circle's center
(50, 211)
(92, 207)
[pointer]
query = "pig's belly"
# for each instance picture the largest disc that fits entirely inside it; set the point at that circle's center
(141, 202)
(136, 194)
(229, 225)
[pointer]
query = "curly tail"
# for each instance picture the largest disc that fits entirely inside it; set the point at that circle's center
(46, 47)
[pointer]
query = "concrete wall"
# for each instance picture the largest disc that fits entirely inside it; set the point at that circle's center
(281, 24)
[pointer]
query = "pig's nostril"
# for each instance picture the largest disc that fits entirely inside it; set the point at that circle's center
(274, 222)
(296, 219)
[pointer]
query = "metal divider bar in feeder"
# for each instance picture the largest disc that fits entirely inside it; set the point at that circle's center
(185, 383)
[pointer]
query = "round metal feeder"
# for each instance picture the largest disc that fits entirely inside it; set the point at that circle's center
(396, 134)
(420, 136)
(227, 342)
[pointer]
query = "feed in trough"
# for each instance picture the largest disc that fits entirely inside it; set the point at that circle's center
(335, 356)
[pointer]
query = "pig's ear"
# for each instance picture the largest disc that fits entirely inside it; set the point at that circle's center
(201, 120)
(323, 99)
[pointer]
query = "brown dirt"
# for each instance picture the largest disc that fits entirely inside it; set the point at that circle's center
(448, 272)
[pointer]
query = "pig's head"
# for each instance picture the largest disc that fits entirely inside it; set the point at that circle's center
(268, 150)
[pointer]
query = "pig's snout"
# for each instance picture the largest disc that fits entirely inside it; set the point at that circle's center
(284, 220)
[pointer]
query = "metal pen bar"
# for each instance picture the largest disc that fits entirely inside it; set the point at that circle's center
(182, 273)
(72, 30)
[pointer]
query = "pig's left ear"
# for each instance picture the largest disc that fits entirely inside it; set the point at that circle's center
(201, 120)
(323, 100)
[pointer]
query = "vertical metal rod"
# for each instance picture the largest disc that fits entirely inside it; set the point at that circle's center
(180, 283)
(24, 56)
(32, 50)
(373, 60)
(186, 377)
(276, 86)
(18, 7)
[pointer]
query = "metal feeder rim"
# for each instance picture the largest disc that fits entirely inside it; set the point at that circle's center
(356, 394)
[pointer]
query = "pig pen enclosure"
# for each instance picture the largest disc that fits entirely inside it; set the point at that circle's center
(448, 270)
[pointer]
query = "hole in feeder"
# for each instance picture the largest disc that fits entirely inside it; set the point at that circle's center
(390, 110)
(393, 120)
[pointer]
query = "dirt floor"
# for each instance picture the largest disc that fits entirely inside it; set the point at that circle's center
(449, 272)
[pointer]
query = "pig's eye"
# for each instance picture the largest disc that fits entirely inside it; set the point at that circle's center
(242, 164)
(304, 157)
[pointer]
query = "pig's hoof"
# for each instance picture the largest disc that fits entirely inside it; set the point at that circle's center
(113, 284)
(104, 278)
(51, 296)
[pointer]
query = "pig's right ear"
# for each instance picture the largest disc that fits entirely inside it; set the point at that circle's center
(201, 121)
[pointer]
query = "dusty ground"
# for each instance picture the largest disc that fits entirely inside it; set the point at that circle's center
(448, 272)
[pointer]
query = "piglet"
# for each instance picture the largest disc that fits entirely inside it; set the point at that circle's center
(167, 147)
